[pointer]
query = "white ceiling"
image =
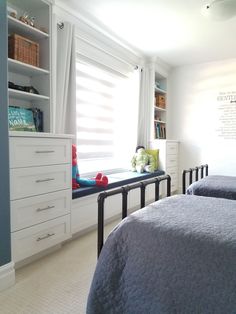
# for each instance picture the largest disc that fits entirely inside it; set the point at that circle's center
(173, 30)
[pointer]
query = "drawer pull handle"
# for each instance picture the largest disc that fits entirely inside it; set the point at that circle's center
(45, 237)
(45, 208)
(44, 151)
(44, 180)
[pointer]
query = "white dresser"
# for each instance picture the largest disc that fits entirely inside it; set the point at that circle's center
(168, 159)
(40, 192)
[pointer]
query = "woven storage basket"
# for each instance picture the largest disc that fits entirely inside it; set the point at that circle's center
(160, 101)
(23, 49)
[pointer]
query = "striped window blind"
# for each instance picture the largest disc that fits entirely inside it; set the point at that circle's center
(95, 111)
(101, 107)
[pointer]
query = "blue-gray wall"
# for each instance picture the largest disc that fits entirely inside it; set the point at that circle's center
(5, 243)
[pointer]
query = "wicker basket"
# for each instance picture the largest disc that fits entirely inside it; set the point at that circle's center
(160, 101)
(23, 49)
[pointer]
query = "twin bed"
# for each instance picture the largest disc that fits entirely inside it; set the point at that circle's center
(177, 255)
(211, 186)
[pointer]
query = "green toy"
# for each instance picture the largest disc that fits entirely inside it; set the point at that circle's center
(142, 162)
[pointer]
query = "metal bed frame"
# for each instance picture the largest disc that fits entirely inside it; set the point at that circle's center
(124, 190)
(191, 171)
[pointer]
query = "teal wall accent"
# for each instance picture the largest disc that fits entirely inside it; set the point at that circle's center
(5, 241)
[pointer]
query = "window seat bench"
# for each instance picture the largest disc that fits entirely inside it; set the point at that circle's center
(116, 180)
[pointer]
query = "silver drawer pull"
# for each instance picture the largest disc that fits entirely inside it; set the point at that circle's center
(45, 237)
(44, 180)
(45, 208)
(44, 151)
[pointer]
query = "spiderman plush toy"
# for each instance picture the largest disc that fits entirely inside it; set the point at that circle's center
(99, 180)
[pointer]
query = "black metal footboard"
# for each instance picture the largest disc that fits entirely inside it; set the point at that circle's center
(191, 172)
(124, 190)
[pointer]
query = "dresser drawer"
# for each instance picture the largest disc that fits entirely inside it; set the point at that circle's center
(27, 152)
(33, 210)
(171, 161)
(171, 148)
(35, 239)
(26, 182)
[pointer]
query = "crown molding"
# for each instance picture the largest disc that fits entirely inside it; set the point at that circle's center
(158, 65)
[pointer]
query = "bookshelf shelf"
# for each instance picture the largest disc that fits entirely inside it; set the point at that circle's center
(159, 121)
(16, 26)
(26, 96)
(160, 90)
(24, 68)
(159, 109)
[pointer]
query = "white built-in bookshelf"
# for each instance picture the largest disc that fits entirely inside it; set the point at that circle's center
(159, 109)
(24, 74)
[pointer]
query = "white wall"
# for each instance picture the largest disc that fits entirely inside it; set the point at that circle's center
(196, 112)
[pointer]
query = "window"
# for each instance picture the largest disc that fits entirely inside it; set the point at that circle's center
(106, 121)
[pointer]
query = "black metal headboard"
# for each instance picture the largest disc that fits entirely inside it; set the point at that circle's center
(124, 190)
(191, 172)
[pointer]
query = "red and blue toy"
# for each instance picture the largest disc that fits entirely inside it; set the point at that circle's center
(99, 180)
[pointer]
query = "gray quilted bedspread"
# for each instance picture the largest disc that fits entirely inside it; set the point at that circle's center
(177, 255)
(214, 186)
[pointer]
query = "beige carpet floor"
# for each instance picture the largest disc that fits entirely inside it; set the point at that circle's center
(56, 284)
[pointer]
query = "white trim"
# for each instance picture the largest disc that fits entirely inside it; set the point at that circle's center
(39, 134)
(90, 52)
(159, 65)
(7, 276)
(105, 51)
(162, 67)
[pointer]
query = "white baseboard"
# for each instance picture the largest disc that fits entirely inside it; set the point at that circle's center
(7, 276)
(37, 256)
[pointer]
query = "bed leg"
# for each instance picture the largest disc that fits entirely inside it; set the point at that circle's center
(124, 202)
(196, 175)
(168, 189)
(142, 198)
(202, 168)
(101, 199)
(206, 170)
(190, 176)
(157, 191)
(184, 182)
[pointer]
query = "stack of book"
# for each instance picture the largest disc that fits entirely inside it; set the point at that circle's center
(160, 130)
